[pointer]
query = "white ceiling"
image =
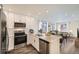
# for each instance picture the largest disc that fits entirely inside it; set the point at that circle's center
(42, 11)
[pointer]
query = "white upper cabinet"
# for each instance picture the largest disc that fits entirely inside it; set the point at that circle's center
(10, 20)
(27, 24)
(19, 18)
(23, 19)
(16, 18)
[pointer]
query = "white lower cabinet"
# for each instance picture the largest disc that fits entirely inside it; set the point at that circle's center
(34, 40)
(10, 32)
(36, 43)
(11, 43)
(28, 39)
(10, 39)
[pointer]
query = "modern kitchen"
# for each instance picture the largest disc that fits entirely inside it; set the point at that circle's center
(39, 29)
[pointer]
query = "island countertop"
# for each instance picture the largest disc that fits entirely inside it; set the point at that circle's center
(54, 42)
(49, 38)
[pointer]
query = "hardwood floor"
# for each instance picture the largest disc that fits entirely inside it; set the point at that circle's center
(24, 50)
(69, 48)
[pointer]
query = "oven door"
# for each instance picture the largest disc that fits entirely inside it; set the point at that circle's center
(20, 38)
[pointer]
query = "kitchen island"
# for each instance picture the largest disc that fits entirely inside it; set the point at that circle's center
(53, 42)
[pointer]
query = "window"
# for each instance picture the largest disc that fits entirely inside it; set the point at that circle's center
(43, 25)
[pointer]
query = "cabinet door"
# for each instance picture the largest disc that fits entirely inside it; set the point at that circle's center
(11, 43)
(28, 39)
(23, 19)
(10, 40)
(36, 43)
(10, 32)
(17, 18)
(32, 40)
(10, 20)
(20, 18)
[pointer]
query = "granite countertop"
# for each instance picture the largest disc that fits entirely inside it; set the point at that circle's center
(49, 38)
(46, 37)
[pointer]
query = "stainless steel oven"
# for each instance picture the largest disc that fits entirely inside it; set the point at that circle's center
(19, 33)
(20, 37)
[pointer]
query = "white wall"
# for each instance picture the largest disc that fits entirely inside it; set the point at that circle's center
(73, 25)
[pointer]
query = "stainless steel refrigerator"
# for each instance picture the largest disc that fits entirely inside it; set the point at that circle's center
(77, 32)
(3, 31)
(0, 28)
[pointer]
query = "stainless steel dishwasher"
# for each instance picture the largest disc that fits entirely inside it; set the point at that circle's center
(43, 46)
